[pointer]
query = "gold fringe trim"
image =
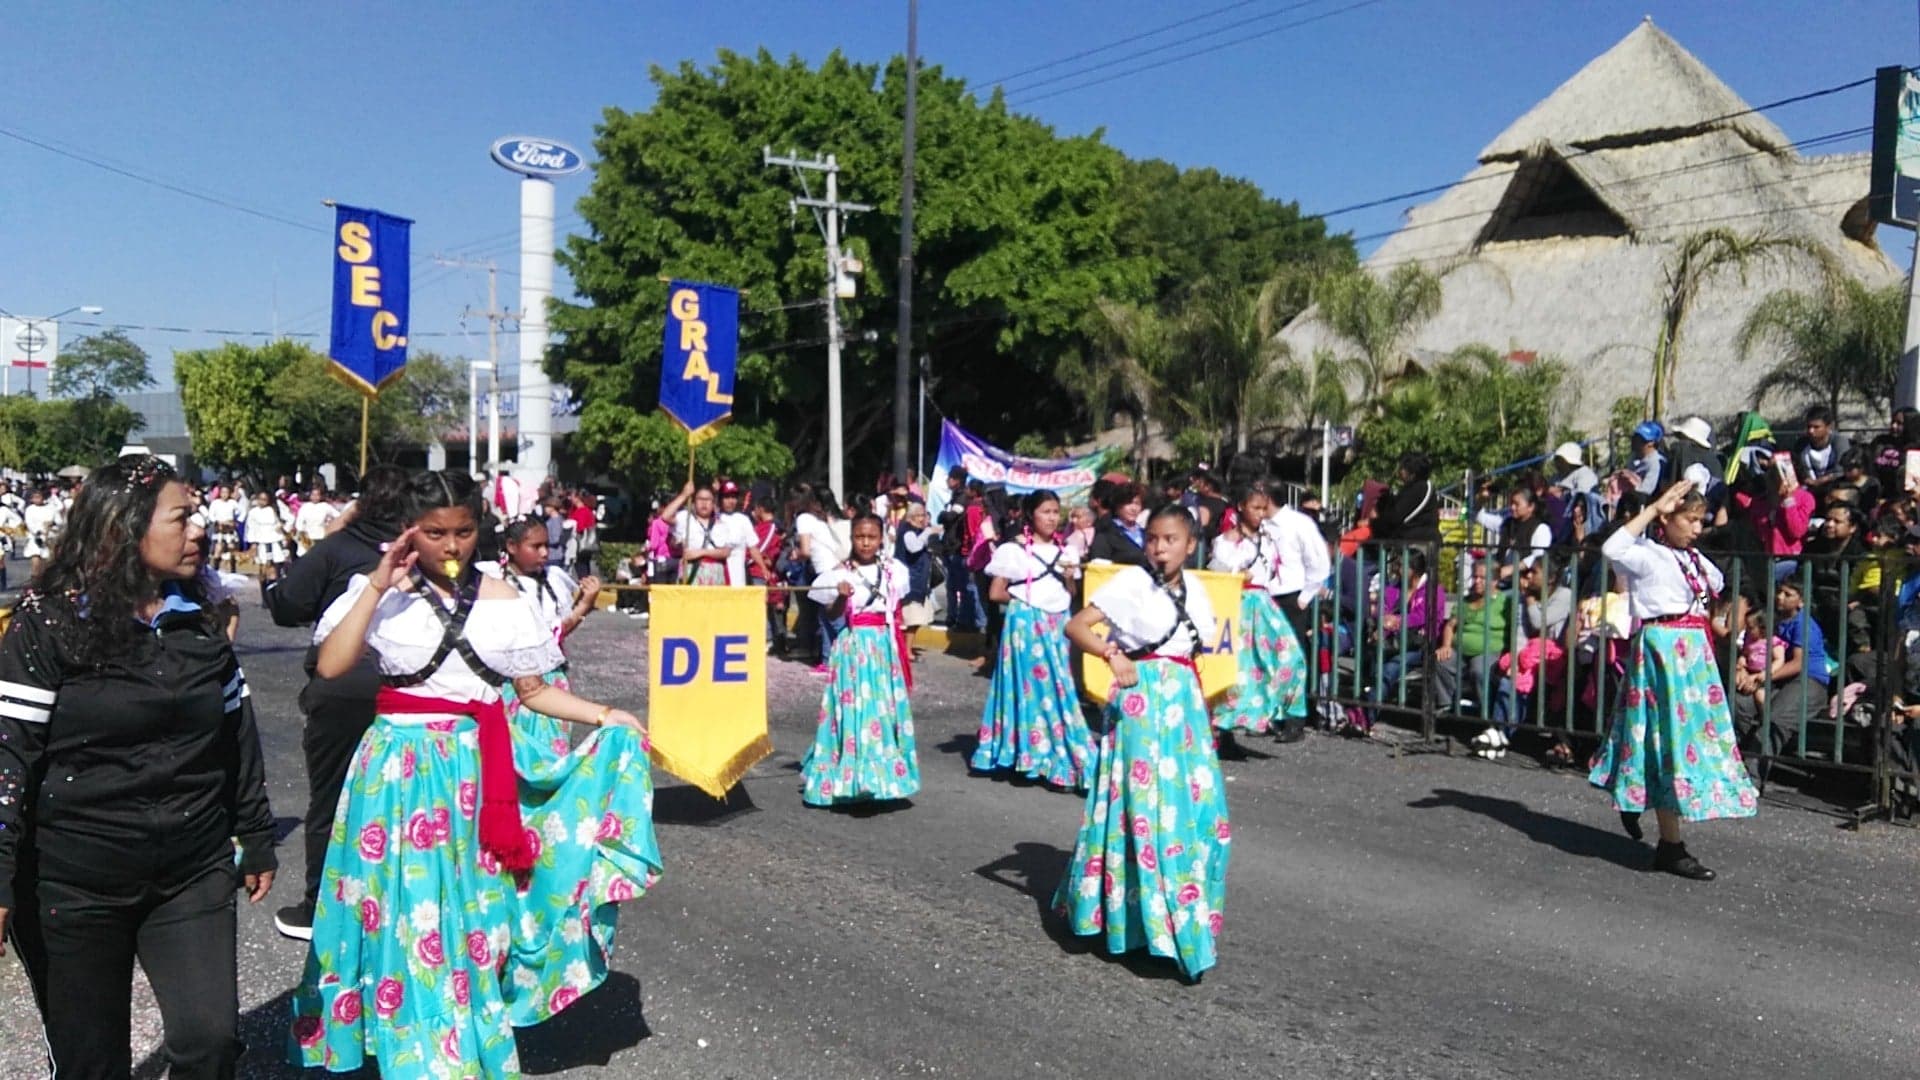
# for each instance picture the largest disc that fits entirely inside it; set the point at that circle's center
(717, 782)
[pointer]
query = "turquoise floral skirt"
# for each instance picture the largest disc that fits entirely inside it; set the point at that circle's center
(1271, 686)
(538, 739)
(1672, 744)
(1149, 868)
(863, 747)
(1032, 723)
(426, 955)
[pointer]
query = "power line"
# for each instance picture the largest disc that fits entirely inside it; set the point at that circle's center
(1141, 36)
(162, 184)
(1028, 99)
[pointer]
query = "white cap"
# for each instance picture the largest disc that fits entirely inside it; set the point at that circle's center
(1696, 431)
(1568, 452)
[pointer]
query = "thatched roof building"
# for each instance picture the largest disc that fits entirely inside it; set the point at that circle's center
(1560, 236)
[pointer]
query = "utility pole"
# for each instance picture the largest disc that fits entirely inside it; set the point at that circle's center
(903, 347)
(494, 317)
(826, 214)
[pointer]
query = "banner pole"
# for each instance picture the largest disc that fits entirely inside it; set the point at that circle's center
(363, 435)
(690, 460)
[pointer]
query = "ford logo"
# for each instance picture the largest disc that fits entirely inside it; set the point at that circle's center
(536, 157)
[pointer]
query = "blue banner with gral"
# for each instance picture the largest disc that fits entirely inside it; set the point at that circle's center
(700, 352)
(370, 283)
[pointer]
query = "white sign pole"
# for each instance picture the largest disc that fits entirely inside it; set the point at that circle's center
(536, 286)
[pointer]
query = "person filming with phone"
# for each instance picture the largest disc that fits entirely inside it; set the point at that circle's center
(1770, 495)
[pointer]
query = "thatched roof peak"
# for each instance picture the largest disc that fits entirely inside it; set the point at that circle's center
(1647, 88)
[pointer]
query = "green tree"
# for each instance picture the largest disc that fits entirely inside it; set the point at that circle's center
(1137, 344)
(1377, 319)
(100, 365)
(1014, 239)
(44, 436)
(1702, 258)
(1474, 410)
(1195, 225)
(277, 407)
(1835, 344)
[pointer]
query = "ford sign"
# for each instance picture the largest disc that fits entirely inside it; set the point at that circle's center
(537, 157)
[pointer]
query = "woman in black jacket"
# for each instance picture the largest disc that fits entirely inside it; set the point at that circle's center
(1412, 511)
(1120, 536)
(129, 763)
(337, 711)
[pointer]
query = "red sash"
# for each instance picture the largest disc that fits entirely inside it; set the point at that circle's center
(1183, 661)
(1681, 622)
(900, 651)
(502, 834)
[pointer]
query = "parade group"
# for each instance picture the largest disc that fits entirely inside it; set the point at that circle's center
(474, 824)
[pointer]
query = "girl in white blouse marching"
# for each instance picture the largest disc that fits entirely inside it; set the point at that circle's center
(1271, 684)
(1031, 722)
(1671, 747)
(1149, 867)
(461, 899)
(863, 748)
(563, 605)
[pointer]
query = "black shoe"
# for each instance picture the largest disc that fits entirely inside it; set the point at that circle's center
(295, 921)
(1630, 821)
(1290, 732)
(1674, 859)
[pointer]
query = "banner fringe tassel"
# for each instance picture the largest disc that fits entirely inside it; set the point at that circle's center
(724, 778)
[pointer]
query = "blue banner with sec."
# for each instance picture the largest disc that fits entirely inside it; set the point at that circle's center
(370, 281)
(700, 352)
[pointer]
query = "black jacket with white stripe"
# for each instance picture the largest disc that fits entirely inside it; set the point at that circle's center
(142, 770)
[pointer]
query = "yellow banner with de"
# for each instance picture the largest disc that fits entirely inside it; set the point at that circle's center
(707, 683)
(1216, 659)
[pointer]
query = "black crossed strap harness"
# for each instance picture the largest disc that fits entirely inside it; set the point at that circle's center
(453, 633)
(876, 589)
(1180, 618)
(1050, 567)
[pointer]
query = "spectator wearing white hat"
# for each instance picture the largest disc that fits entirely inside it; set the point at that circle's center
(1572, 471)
(1694, 459)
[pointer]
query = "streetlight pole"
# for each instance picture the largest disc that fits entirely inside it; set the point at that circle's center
(474, 367)
(31, 338)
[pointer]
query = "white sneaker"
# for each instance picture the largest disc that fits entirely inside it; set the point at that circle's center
(1485, 738)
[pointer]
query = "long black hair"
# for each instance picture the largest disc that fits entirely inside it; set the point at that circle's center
(382, 502)
(95, 571)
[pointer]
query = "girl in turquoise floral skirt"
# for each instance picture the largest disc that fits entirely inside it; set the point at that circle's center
(863, 748)
(461, 901)
(563, 604)
(1149, 868)
(1270, 687)
(1671, 747)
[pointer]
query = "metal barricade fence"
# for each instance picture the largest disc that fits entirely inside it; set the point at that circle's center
(1390, 641)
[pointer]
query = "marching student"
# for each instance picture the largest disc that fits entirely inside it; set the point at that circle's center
(43, 519)
(1301, 571)
(563, 605)
(1032, 723)
(863, 748)
(462, 901)
(266, 531)
(706, 542)
(1270, 686)
(129, 763)
(1149, 867)
(1672, 746)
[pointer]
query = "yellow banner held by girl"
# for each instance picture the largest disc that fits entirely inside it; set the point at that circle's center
(707, 683)
(1218, 667)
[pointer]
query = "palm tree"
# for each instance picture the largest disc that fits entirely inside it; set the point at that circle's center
(1477, 372)
(1378, 318)
(1136, 343)
(1093, 386)
(1701, 257)
(1841, 342)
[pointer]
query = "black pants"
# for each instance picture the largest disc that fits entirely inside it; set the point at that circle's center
(335, 723)
(79, 943)
(1301, 619)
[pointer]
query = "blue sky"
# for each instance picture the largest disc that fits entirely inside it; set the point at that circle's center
(276, 107)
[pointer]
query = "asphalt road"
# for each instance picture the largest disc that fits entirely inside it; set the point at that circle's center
(1388, 916)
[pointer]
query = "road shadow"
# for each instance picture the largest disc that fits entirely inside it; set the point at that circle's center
(263, 1034)
(963, 745)
(1036, 868)
(284, 827)
(684, 804)
(607, 1021)
(1571, 837)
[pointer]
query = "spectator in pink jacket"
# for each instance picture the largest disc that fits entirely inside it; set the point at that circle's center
(1779, 508)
